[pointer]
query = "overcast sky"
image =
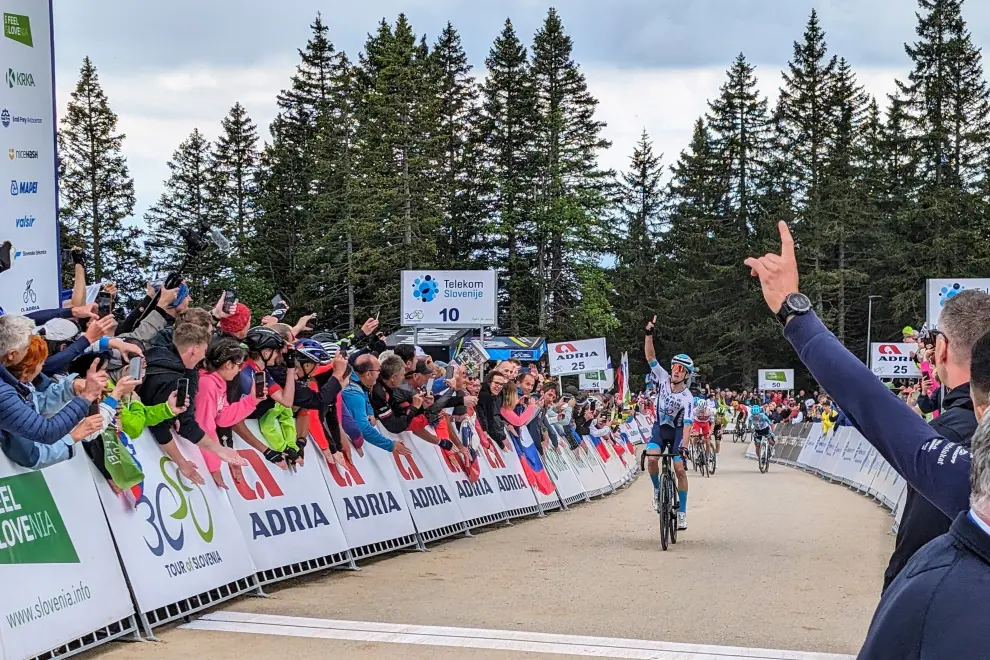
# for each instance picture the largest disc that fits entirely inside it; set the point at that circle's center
(168, 67)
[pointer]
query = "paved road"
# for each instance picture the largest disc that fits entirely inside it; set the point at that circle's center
(776, 561)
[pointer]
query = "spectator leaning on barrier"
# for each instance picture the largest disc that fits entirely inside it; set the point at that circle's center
(166, 366)
(936, 608)
(356, 400)
(965, 318)
(490, 406)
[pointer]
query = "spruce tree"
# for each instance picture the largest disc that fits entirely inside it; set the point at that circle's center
(186, 208)
(235, 167)
(96, 189)
(506, 129)
(571, 188)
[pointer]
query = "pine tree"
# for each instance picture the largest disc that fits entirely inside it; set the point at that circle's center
(96, 188)
(186, 209)
(461, 234)
(506, 132)
(635, 245)
(235, 166)
(571, 188)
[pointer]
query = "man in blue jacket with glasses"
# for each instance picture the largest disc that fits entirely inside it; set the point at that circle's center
(938, 606)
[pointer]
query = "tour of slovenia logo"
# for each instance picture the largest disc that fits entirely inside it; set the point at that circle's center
(18, 28)
(425, 288)
(31, 528)
(949, 291)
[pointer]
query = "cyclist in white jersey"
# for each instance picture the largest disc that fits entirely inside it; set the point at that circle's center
(762, 428)
(674, 410)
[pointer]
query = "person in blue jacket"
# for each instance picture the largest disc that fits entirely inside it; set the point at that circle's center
(358, 404)
(937, 607)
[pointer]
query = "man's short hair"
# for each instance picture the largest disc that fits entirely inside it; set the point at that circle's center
(190, 334)
(979, 475)
(406, 351)
(391, 365)
(979, 371)
(196, 316)
(965, 318)
(364, 363)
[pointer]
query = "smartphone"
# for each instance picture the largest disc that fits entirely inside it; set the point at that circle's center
(102, 362)
(104, 304)
(134, 368)
(429, 386)
(279, 301)
(377, 313)
(182, 392)
(449, 373)
(259, 384)
(94, 409)
(229, 300)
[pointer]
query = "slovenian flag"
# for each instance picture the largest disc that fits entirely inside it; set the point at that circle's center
(601, 448)
(532, 464)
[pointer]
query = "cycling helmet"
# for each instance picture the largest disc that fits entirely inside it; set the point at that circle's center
(684, 361)
(261, 338)
(311, 351)
(756, 410)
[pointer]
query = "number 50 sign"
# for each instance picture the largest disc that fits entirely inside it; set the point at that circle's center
(577, 357)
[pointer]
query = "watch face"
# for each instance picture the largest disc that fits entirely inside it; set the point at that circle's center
(799, 303)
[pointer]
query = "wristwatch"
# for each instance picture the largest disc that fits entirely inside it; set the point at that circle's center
(795, 304)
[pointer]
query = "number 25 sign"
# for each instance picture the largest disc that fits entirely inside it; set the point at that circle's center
(577, 357)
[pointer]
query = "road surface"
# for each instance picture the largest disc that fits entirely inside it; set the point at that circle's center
(775, 562)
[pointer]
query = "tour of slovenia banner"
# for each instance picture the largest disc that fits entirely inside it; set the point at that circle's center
(58, 567)
(27, 122)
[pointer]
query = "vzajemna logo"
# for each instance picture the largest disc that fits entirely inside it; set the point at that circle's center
(31, 528)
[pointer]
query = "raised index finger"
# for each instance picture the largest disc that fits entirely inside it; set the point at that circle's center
(786, 241)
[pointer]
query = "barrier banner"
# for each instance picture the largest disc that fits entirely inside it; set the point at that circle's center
(569, 486)
(516, 495)
(181, 539)
(614, 469)
(286, 516)
(370, 504)
(479, 500)
(589, 470)
(847, 468)
(58, 567)
(807, 456)
(426, 488)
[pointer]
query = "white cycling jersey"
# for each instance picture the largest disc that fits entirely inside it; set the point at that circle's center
(673, 408)
(704, 411)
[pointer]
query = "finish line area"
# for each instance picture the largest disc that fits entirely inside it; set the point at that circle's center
(775, 566)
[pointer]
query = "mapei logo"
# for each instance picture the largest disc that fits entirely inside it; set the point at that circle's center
(19, 79)
(278, 520)
(425, 289)
(24, 223)
(23, 187)
(19, 153)
(172, 493)
(18, 28)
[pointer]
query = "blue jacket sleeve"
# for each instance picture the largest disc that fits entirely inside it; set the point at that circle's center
(935, 467)
(61, 360)
(54, 397)
(45, 315)
(18, 418)
(54, 453)
(357, 404)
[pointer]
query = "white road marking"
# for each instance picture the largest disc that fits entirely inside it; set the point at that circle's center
(477, 638)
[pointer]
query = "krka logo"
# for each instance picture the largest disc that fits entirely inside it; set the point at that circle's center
(31, 527)
(19, 79)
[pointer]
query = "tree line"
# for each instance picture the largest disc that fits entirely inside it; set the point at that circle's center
(402, 158)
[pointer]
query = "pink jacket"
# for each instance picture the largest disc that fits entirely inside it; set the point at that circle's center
(212, 410)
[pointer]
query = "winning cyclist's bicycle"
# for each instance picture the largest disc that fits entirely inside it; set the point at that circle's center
(665, 500)
(763, 451)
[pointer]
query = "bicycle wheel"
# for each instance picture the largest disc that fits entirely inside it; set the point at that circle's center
(712, 461)
(702, 461)
(674, 507)
(664, 513)
(764, 456)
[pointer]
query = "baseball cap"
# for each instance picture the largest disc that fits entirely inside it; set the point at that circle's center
(420, 368)
(420, 352)
(59, 330)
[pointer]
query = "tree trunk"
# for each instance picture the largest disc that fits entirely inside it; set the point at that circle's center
(841, 329)
(407, 206)
(350, 280)
(94, 195)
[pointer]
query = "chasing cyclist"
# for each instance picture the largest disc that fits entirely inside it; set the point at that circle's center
(702, 419)
(721, 421)
(760, 424)
(672, 427)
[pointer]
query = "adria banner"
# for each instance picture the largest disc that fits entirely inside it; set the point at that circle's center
(426, 488)
(58, 566)
(894, 360)
(513, 490)
(181, 539)
(577, 357)
(938, 292)
(286, 516)
(369, 502)
(479, 498)
(564, 476)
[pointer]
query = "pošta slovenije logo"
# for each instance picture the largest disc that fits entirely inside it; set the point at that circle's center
(31, 528)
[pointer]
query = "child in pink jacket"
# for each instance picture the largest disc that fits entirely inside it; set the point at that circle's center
(223, 364)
